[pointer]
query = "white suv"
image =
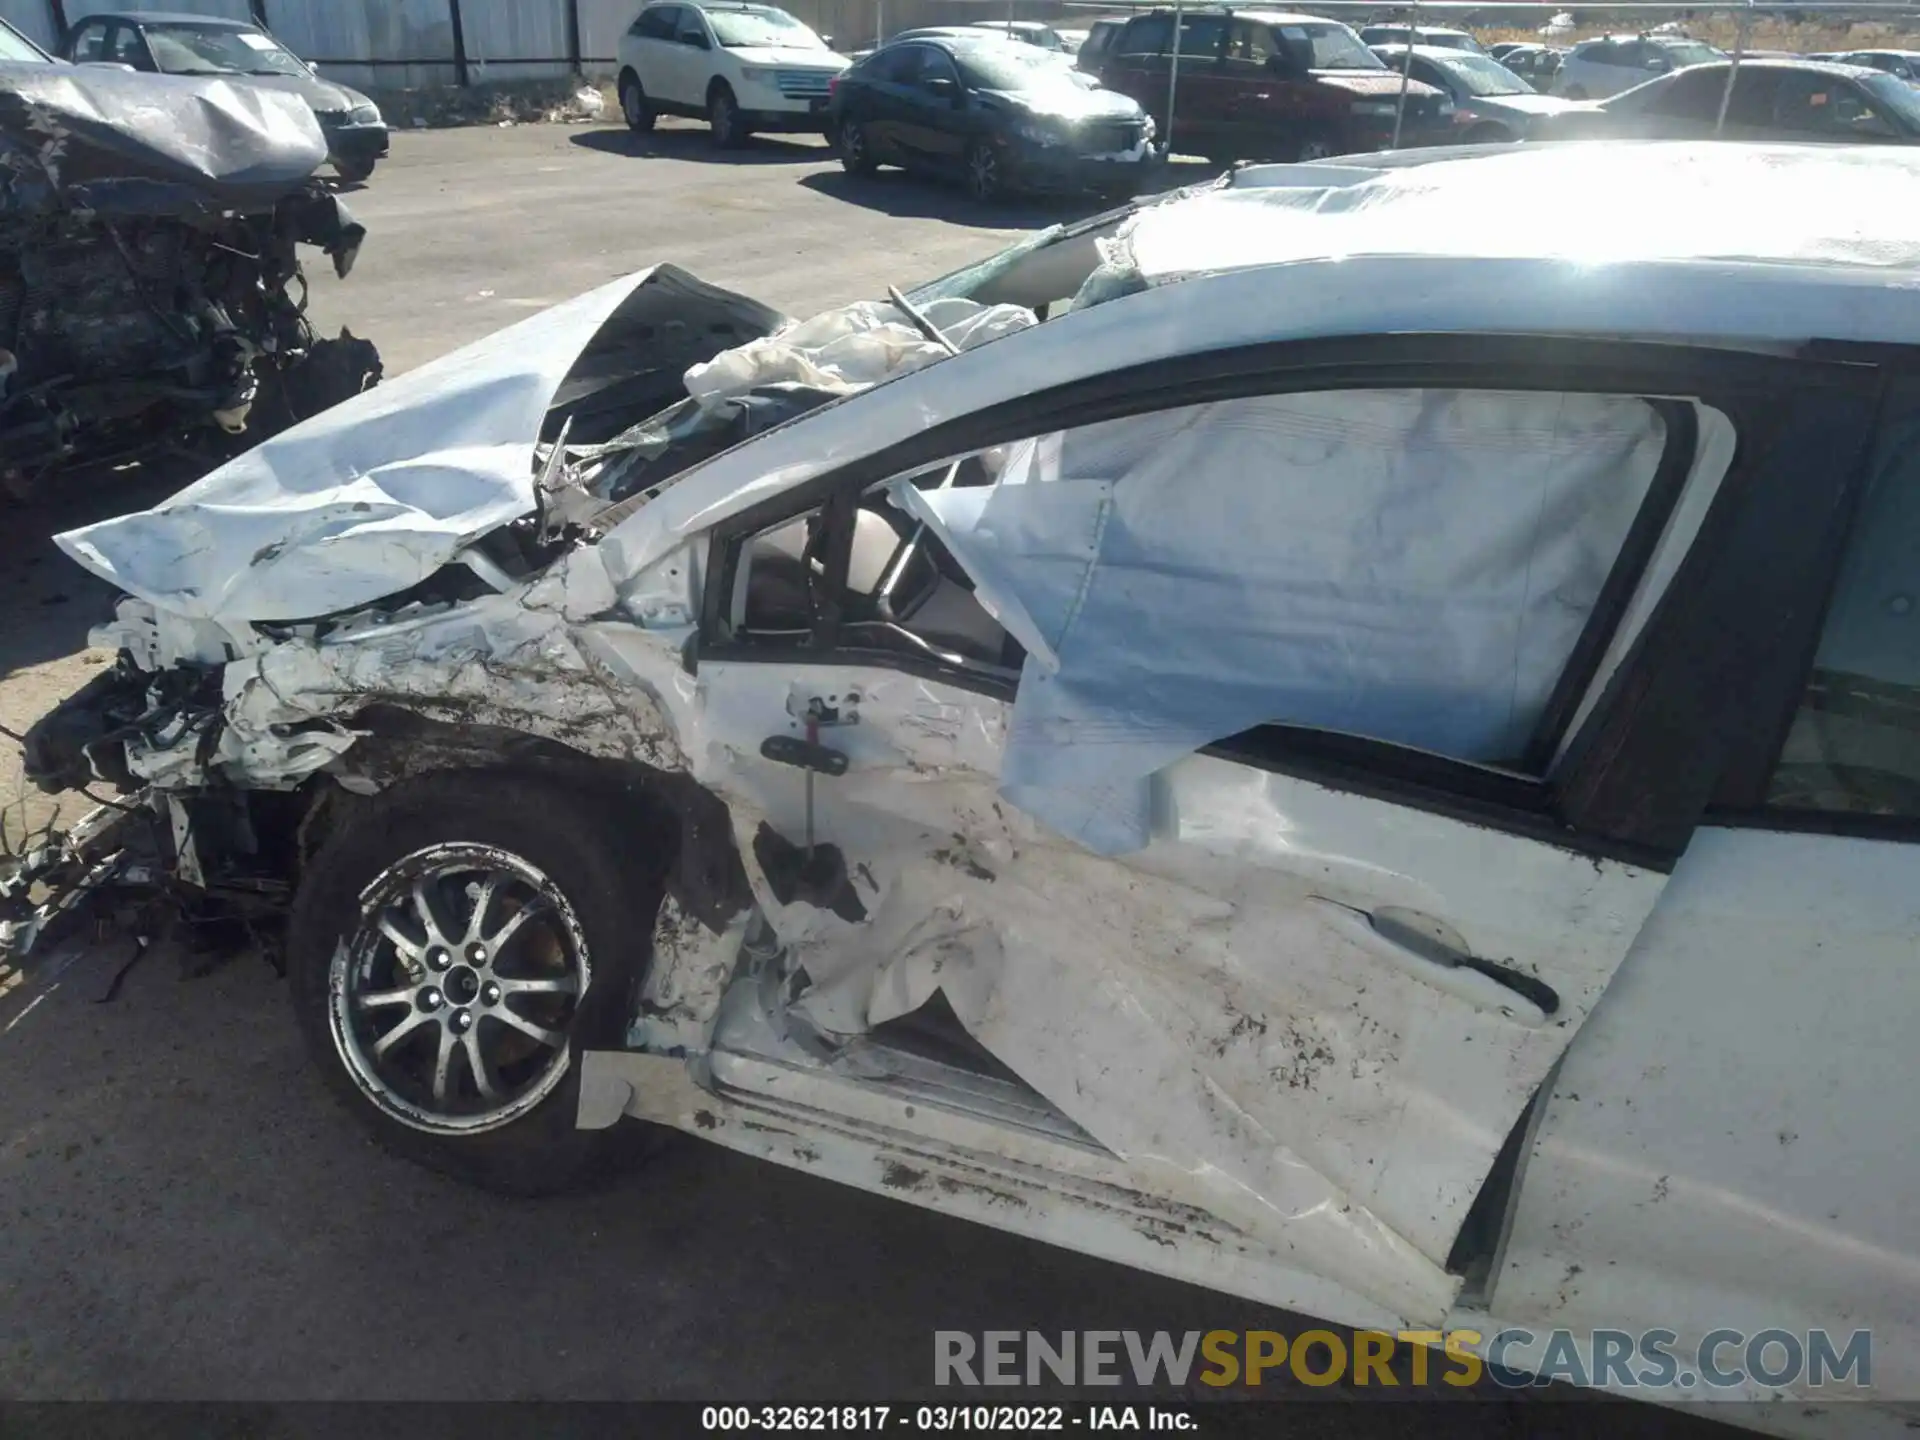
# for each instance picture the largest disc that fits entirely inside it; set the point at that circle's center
(741, 67)
(1598, 68)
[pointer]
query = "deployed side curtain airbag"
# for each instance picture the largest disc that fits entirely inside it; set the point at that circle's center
(1410, 566)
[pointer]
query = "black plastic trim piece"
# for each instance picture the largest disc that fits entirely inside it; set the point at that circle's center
(1677, 460)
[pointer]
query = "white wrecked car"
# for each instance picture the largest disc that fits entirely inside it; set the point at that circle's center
(1325, 736)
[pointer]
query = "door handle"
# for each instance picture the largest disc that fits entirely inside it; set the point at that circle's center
(1392, 937)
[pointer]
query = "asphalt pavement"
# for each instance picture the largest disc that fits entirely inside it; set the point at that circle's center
(185, 1214)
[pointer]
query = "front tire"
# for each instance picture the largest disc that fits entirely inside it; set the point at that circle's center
(354, 172)
(454, 947)
(856, 152)
(634, 105)
(723, 115)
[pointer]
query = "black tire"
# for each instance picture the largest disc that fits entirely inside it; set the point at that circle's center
(856, 154)
(1314, 147)
(723, 117)
(983, 178)
(354, 172)
(1488, 135)
(1576, 92)
(569, 839)
(635, 108)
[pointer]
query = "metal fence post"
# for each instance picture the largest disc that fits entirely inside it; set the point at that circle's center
(259, 9)
(574, 57)
(58, 10)
(460, 76)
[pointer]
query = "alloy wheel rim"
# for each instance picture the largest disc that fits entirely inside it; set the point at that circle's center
(853, 143)
(630, 97)
(452, 1000)
(986, 172)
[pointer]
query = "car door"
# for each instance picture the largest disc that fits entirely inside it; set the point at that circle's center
(653, 52)
(888, 101)
(1685, 1135)
(691, 58)
(1264, 905)
(1255, 97)
(127, 46)
(933, 127)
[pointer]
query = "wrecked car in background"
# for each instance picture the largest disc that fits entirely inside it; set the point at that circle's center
(151, 295)
(1190, 740)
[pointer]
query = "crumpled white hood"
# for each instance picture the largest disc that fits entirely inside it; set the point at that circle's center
(363, 500)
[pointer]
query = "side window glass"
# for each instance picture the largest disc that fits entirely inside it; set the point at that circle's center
(91, 43)
(129, 49)
(658, 23)
(1249, 43)
(1752, 102)
(1434, 569)
(1151, 36)
(1201, 35)
(935, 65)
(1693, 95)
(692, 31)
(1854, 744)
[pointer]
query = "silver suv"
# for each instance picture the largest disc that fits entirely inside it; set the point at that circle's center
(1598, 68)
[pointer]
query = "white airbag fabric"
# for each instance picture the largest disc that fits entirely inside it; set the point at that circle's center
(1410, 566)
(851, 348)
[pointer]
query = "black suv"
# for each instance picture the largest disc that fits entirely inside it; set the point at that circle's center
(1267, 85)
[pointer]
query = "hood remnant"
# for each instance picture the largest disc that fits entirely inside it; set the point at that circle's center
(378, 495)
(129, 143)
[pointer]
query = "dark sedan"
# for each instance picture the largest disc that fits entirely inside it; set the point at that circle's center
(205, 45)
(1807, 100)
(997, 117)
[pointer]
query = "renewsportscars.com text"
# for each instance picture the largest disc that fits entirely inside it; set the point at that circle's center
(1725, 1359)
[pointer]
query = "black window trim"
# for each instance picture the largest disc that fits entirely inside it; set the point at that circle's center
(1740, 800)
(1590, 778)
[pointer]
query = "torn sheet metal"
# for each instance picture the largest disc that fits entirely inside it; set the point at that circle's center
(375, 495)
(1367, 562)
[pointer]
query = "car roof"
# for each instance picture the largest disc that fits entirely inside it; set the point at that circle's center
(1599, 201)
(1283, 17)
(1817, 67)
(1437, 53)
(1417, 29)
(167, 17)
(1263, 17)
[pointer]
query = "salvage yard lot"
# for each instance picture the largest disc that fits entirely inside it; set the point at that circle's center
(183, 1211)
